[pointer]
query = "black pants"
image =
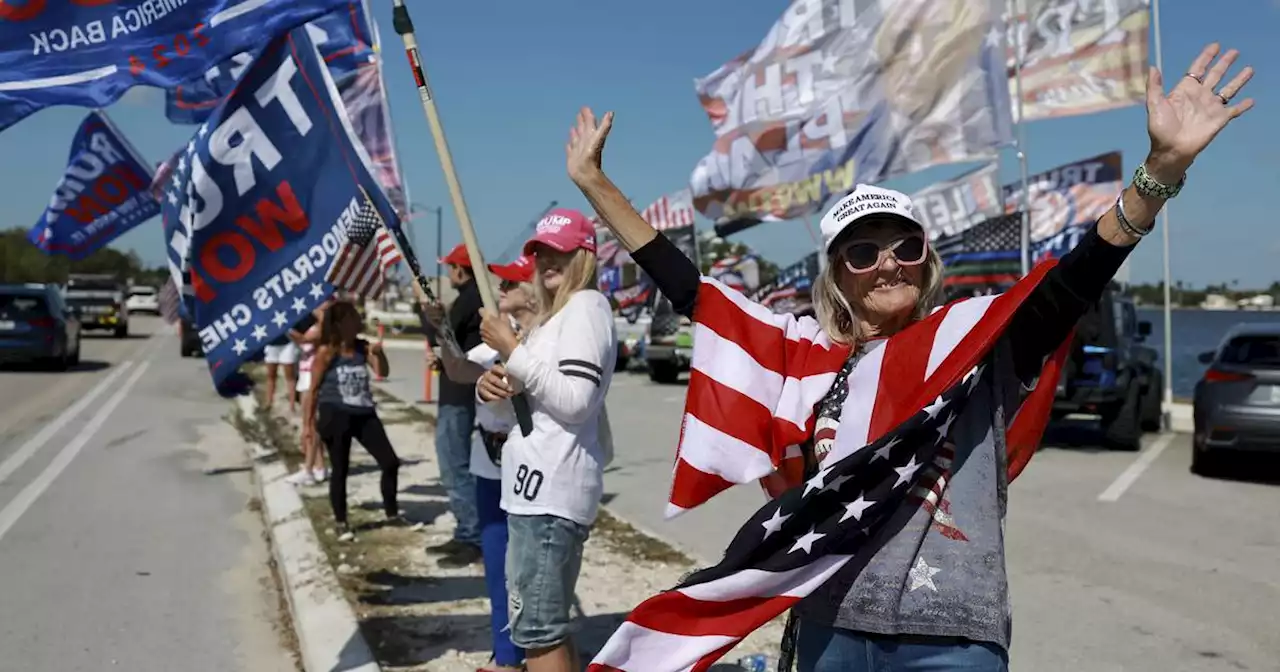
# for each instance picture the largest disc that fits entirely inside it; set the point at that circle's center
(337, 428)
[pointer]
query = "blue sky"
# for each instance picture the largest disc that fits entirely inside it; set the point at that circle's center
(509, 77)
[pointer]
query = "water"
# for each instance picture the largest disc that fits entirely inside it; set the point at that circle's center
(1195, 331)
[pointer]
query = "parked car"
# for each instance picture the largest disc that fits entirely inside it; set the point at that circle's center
(143, 299)
(1236, 407)
(188, 339)
(1112, 373)
(99, 300)
(669, 348)
(37, 326)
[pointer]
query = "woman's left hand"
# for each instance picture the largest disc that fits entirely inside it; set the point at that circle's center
(1184, 122)
(497, 333)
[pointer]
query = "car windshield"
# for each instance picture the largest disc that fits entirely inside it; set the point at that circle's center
(142, 291)
(1253, 350)
(18, 305)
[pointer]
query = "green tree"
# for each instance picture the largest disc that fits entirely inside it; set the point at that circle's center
(20, 261)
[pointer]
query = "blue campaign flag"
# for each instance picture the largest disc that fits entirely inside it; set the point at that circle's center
(258, 203)
(89, 52)
(103, 193)
(344, 40)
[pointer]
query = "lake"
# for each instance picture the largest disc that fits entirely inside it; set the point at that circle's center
(1195, 331)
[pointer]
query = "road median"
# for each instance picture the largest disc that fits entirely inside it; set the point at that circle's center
(409, 612)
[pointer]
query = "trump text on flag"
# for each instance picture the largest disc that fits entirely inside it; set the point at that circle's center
(274, 181)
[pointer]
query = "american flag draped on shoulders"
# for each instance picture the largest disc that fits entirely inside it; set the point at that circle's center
(756, 378)
(368, 254)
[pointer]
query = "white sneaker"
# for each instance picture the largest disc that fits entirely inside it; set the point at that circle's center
(301, 477)
(319, 475)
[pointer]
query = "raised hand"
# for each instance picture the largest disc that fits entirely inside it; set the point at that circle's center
(585, 148)
(1184, 122)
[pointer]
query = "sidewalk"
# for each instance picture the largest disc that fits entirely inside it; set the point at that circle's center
(421, 617)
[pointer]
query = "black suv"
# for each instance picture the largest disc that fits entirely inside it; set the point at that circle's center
(36, 325)
(1112, 373)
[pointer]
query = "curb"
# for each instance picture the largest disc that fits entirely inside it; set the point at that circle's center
(329, 637)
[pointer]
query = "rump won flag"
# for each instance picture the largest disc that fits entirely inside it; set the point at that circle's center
(103, 193)
(89, 52)
(842, 92)
(1066, 201)
(750, 403)
(273, 181)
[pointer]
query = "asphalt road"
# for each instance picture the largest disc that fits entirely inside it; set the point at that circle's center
(1118, 561)
(117, 551)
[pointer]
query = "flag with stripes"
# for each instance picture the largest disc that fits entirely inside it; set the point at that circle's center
(672, 211)
(755, 380)
(987, 254)
(367, 256)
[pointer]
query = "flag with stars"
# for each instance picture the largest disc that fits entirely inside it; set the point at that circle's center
(261, 201)
(367, 257)
(756, 378)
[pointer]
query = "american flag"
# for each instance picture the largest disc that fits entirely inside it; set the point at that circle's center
(369, 253)
(746, 413)
(989, 253)
(672, 211)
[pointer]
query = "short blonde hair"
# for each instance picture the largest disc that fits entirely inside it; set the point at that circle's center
(836, 315)
(579, 274)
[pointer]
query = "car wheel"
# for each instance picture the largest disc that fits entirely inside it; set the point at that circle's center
(663, 373)
(1152, 397)
(75, 354)
(1205, 463)
(122, 331)
(1121, 421)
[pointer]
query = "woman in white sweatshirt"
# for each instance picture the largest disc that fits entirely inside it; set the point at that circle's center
(552, 479)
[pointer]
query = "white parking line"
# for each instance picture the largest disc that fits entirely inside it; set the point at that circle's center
(35, 443)
(19, 505)
(1130, 475)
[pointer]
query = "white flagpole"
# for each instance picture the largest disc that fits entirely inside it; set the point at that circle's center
(1021, 141)
(1164, 236)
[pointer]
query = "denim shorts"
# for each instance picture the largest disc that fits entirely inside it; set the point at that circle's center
(544, 556)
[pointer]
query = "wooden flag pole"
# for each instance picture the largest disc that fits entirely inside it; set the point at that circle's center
(404, 27)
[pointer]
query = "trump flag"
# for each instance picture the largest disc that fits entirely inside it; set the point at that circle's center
(103, 193)
(259, 203)
(89, 52)
(342, 36)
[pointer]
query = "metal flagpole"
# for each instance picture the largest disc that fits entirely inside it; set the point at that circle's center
(1164, 237)
(404, 26)
(1021, 141)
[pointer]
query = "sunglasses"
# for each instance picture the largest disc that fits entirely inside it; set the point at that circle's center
(507, 285)
(864, 256)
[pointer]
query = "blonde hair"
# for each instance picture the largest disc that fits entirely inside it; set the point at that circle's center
(579, 274)
(837, 316)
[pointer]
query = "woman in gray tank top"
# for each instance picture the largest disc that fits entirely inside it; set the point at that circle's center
(341, 408)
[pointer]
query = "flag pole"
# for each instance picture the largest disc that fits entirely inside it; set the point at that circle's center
(1021, 141)
(404, 27)
(1164, 236)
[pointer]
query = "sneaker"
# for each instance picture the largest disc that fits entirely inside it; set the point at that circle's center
(345, 533)
(447, 548)
(397, 521)
(319, 475)
(301, 477)
(466, 556)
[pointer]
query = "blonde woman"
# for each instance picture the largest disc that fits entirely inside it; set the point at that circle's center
(929, 591)
(552, 479)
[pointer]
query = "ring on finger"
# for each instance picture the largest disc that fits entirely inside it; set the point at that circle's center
(1226, 100)
(1199, 79)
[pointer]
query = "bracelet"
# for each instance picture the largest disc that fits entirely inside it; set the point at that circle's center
(1127, 226)
(1148, 186)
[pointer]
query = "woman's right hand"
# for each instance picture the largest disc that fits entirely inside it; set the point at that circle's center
(585, 148)
(493, 385)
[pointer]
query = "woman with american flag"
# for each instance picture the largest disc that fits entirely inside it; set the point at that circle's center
(885, 430)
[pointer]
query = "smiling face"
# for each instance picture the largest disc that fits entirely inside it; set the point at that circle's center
(888, 293)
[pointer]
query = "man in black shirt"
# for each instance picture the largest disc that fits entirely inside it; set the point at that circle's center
(456, 412)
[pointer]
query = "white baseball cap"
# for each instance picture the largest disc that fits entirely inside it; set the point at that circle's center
(866, 201)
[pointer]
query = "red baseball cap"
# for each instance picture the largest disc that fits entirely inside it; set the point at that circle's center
(564, 230)
(520, 270)
(458, 257)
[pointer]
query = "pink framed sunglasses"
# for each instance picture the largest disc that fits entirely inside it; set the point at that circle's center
(864, 256)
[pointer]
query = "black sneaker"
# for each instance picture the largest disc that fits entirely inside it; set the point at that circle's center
(397, 521)
(466, 556)
(447, 548)
(344, 532)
